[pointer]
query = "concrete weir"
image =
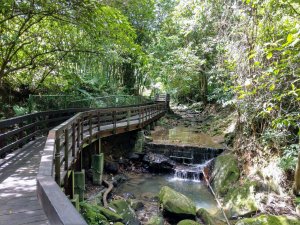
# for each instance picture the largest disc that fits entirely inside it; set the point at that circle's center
(184, 153)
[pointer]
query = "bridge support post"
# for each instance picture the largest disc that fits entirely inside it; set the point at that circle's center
(79, 184)
(98, 146)
(152, 126)
(97, 168)
(139, 143)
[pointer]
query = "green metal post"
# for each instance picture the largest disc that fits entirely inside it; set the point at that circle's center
(97, 168)
(79, 184)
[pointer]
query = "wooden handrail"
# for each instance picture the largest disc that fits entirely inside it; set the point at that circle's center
(83, 128)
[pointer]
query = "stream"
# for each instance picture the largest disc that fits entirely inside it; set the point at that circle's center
(186, 179)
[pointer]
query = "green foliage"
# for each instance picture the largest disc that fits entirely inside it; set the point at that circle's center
(19, 110)
(289, 158)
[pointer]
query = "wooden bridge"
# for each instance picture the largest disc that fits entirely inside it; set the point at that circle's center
(37, 174)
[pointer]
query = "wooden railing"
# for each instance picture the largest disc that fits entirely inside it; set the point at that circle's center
(17, 131)
(65, 142)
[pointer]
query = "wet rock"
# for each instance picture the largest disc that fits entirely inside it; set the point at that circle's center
(188, 222)
(156, 220)
(150, 197)
(111, 167)
(269, 220)
(91, 213)
(125, 211)
(135, 204)
(207, 218)
(159, 162)
(225, 173)
(134, 156)
(119, 179)
(176, 203)
(128, 195)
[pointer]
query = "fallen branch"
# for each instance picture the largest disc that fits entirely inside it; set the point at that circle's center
(214, 194)
(109, 186)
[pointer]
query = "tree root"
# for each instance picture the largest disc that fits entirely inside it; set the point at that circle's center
(109, 186)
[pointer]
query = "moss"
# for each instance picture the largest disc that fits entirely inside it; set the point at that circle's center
(226, 173)
(240, 199)
(118, 223)
(110, 215)
(206, 218)
(176, 203)
(125, 211)
(188, 222)
(156, 220)
(91, 214)
(269, 220)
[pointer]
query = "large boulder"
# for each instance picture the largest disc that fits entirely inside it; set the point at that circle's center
(122, 208)
(225, 173)
(269, 220)
(159, 162)
(188, 222)
(207, 218)
(176, 203)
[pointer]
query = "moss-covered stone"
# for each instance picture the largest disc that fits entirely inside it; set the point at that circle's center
(188, 222)
(156, 220)
(125, 211)
(208, 219)
(118, 223)
(176, 203)
(110, 215)
(269, 220)
(136, 204)
(240, 200)
(92, 215)
(225, 173)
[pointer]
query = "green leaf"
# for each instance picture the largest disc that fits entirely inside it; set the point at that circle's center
(270, 55)
(289, 38)
(272, 87)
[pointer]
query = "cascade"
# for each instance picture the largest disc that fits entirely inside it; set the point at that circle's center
(193, 172)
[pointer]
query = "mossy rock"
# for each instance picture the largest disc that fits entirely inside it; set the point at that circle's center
(136, 204)
(91, 214)
(125, 211)
(269, 220)
(225, 173)
(188, 222)
(110, 215)
(155, 220)
(118, 223)
(207, 218)
(176, 203)
(240, 200)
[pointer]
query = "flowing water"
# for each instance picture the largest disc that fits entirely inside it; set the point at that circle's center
(184, 136)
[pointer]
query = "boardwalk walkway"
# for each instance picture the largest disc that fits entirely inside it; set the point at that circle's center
(18, 200)
(19, 204)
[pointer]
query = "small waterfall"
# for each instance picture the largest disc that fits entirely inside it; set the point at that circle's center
(190, 172)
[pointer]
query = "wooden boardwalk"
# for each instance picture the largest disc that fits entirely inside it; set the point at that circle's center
(18, 199)
(19, 183)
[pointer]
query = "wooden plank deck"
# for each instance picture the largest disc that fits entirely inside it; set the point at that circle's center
(18, 200)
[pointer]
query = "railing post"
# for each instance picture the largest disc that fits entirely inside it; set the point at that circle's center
(73, 139)
(98, 117)
(66, 158)
(114, 121)
(57, 159)
(128, 118)
(90, 128)
(78, 133)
